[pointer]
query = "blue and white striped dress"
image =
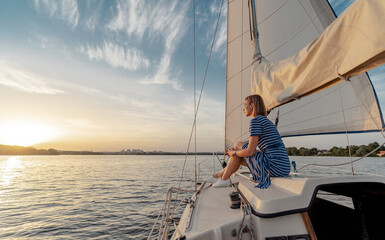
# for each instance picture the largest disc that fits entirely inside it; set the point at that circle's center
(273, 160)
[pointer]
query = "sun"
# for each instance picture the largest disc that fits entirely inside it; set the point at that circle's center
(25, 134)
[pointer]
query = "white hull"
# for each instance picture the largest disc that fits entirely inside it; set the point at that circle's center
(289, 209)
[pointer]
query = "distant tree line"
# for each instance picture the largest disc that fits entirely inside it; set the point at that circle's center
(356, 151)
(17, 150)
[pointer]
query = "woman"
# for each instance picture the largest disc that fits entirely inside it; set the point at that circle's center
(265, 154)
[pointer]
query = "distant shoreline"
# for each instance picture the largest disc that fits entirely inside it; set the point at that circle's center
(356, 151)
(18, 150)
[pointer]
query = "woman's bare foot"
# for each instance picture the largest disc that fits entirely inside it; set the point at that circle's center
(218, 174)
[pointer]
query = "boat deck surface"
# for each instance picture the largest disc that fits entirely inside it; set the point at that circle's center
(292, 194)
(213, 209)
(211, 213)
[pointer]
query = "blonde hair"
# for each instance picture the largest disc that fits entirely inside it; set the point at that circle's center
(259, 106)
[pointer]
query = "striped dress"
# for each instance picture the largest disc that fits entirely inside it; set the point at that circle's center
(273, 160)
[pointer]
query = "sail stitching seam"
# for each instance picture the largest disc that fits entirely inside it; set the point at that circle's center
(258, 23)
(247, 31)
(310, 17)
(304, 105)
(366, 108)
(324, 115)
(303, 28)
(316, 99)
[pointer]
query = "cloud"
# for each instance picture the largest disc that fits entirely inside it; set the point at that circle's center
(206, 18)
(66, 10)
(162, 75)
(116, 98)
(132, 16)
(92, 13)
(79, 122)
(221, 37)
(117, 56)
(12, 75)
(162, 20)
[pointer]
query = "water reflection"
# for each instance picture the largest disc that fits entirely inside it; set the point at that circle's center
(9, 170)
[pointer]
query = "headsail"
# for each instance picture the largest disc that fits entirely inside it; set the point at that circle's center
(287, 30)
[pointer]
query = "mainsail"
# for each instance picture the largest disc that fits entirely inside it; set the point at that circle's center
(299, 40)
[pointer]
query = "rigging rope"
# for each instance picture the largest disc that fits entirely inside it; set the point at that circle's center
(195, 109)
(346, 129)
(200, 95)
(366, 107)
(246, 210)
(166, 204)
(375, 122)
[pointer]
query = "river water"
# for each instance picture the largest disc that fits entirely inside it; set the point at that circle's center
(108, 197)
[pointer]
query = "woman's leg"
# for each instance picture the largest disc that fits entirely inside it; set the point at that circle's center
(233, 164)
(220, 173)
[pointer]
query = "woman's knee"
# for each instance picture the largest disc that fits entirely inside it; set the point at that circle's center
(239, 145)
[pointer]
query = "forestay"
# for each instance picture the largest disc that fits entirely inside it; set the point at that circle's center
(292, 37)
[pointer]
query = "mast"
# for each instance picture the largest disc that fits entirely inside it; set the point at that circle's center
(257, 55)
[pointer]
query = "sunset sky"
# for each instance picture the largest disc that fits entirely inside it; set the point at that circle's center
(113, 75)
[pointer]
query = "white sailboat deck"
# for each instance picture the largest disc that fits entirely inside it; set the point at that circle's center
(212, 210)
(292, 194)
(212, 217)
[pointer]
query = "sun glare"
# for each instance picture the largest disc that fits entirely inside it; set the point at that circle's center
(25, 133)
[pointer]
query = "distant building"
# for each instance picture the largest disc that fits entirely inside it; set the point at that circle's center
(137, 151)
(323, 152)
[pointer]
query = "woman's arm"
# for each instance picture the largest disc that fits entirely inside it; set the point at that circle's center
(250, 150)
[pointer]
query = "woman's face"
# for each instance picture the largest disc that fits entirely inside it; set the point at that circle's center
(247, 108)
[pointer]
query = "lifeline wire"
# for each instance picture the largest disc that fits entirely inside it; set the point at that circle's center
(340, 164)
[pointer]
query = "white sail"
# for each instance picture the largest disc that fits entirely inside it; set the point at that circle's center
(350, 107)
(238, 69)
(352, 44)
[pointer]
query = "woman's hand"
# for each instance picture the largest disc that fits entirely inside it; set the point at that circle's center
(230, 152)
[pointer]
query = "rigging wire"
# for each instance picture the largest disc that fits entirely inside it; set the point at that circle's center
(375, 122)
(346, 129)
(300, 30)
(366, 107)
(201, 92)
(341, 164)
(200, 95)
(195, 109)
